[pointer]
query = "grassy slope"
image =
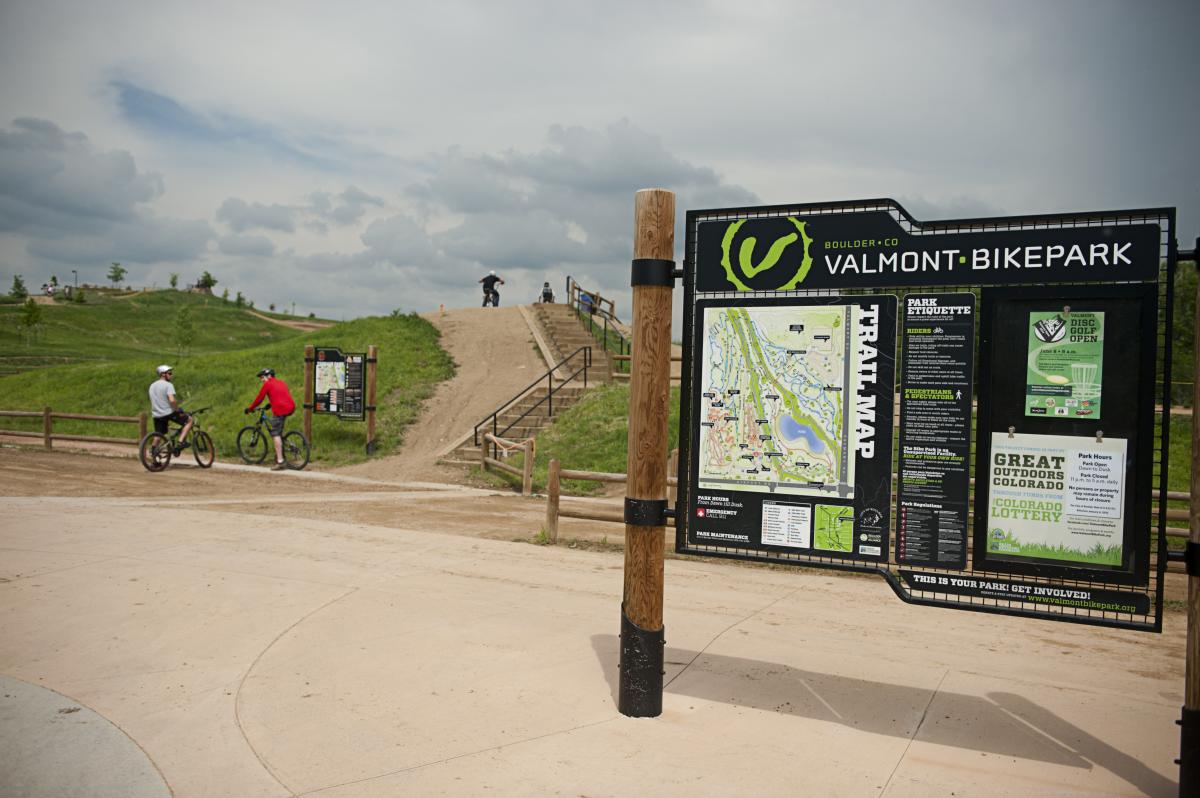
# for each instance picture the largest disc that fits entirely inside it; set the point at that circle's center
(592, 436)
(410, 364)
(109, 327)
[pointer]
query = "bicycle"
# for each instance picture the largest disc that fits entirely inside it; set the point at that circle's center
(157, 449)
(491, 298)
(253, 442)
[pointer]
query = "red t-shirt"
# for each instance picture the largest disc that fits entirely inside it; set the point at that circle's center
(276, 391)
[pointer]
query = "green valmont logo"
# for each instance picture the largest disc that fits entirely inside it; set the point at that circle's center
(783, 253)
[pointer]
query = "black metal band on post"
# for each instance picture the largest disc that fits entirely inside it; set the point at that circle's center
(308, 406)
(646, 512)
(641, 666)
(370, 407)
(1191, 558)
(1189, 752)
(652, 271)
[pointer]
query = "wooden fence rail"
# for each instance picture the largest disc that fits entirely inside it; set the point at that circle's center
(525, 472)
(616, 514)
(48, 435)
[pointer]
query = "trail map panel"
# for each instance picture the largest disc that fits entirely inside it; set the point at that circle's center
(793, 430)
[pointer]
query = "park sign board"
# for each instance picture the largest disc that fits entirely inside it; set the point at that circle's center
(338, 383)
(809, 328)
(871, 249)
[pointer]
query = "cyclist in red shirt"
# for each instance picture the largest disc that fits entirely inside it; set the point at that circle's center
(282, 406)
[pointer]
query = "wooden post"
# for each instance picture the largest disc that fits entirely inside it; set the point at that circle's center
(142, 425)
(372, 358)
(552, 489)
(310, 356)
(1189, 742)
(47, 429)
(642, 634)
(527, 470)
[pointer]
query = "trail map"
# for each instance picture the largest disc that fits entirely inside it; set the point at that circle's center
(778, 385)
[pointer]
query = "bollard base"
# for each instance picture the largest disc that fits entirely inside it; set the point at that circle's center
(1189, 753)
(641, 688)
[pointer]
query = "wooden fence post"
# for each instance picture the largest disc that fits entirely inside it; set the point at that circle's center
(372, 357)
(552, 489)
(527, 470)
(642, 633)
(310, 356)
(142, 427)
(47, 429)
(672, 473)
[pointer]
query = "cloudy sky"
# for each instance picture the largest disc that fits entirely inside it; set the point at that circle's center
(358, 157)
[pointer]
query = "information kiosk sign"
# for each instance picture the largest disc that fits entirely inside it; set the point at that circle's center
(338, 383)
(1020, 355)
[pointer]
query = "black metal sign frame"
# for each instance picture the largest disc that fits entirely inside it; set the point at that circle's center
(792, 254)
(347, 401)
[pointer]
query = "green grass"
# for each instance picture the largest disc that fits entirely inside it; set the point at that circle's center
(111, 326)
(591, 436)
(410, 364)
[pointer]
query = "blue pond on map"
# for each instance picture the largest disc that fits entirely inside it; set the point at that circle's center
(792, 430)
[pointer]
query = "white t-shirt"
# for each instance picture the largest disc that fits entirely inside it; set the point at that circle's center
(160, 402)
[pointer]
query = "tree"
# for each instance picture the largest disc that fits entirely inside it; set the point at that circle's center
(53, 280)
(18, 290)
(206, 281)
(78, 296)
(272, 307)
(240, 301)
(225, 295)
(30, 320)
(174, 279)
(185, 331)
(117, 273)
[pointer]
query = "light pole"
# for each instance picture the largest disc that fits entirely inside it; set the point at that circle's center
(76, 273)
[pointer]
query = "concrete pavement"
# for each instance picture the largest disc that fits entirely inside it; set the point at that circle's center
(250, 656)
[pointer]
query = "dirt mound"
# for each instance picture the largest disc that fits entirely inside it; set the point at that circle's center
(496, 358)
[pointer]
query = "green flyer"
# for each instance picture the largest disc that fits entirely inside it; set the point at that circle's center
(1065, 366)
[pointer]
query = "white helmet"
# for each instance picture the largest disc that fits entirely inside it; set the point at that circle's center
(493, 272)
(163, 369)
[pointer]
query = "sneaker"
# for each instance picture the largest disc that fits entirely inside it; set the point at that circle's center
(280, 467)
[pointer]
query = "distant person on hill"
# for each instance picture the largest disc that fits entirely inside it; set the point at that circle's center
(490, 294)
(282, 406)
(547, 293)
(164, 408)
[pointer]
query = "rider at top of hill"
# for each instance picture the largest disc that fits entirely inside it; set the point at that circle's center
(490, 294)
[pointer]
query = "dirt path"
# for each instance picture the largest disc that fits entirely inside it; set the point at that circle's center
(306, 324)
(496, 358)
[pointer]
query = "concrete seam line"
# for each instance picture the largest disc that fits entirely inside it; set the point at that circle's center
(718, 635)
(431, 763)
(237, 699)
(916, 731)
(115, 725)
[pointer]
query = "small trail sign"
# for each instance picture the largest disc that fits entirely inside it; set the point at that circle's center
(339, 381)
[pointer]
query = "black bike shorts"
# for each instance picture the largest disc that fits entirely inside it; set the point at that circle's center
(179, 417)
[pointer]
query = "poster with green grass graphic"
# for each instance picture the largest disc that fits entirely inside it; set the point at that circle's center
(1066, 356)
(1057, 497)
(833, 527)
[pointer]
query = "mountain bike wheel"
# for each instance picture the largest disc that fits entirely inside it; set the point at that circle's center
(295, 450)
(202, 448)
(155, 452)
(252, 445)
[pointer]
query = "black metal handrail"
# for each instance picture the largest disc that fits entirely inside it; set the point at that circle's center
(586, 359)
